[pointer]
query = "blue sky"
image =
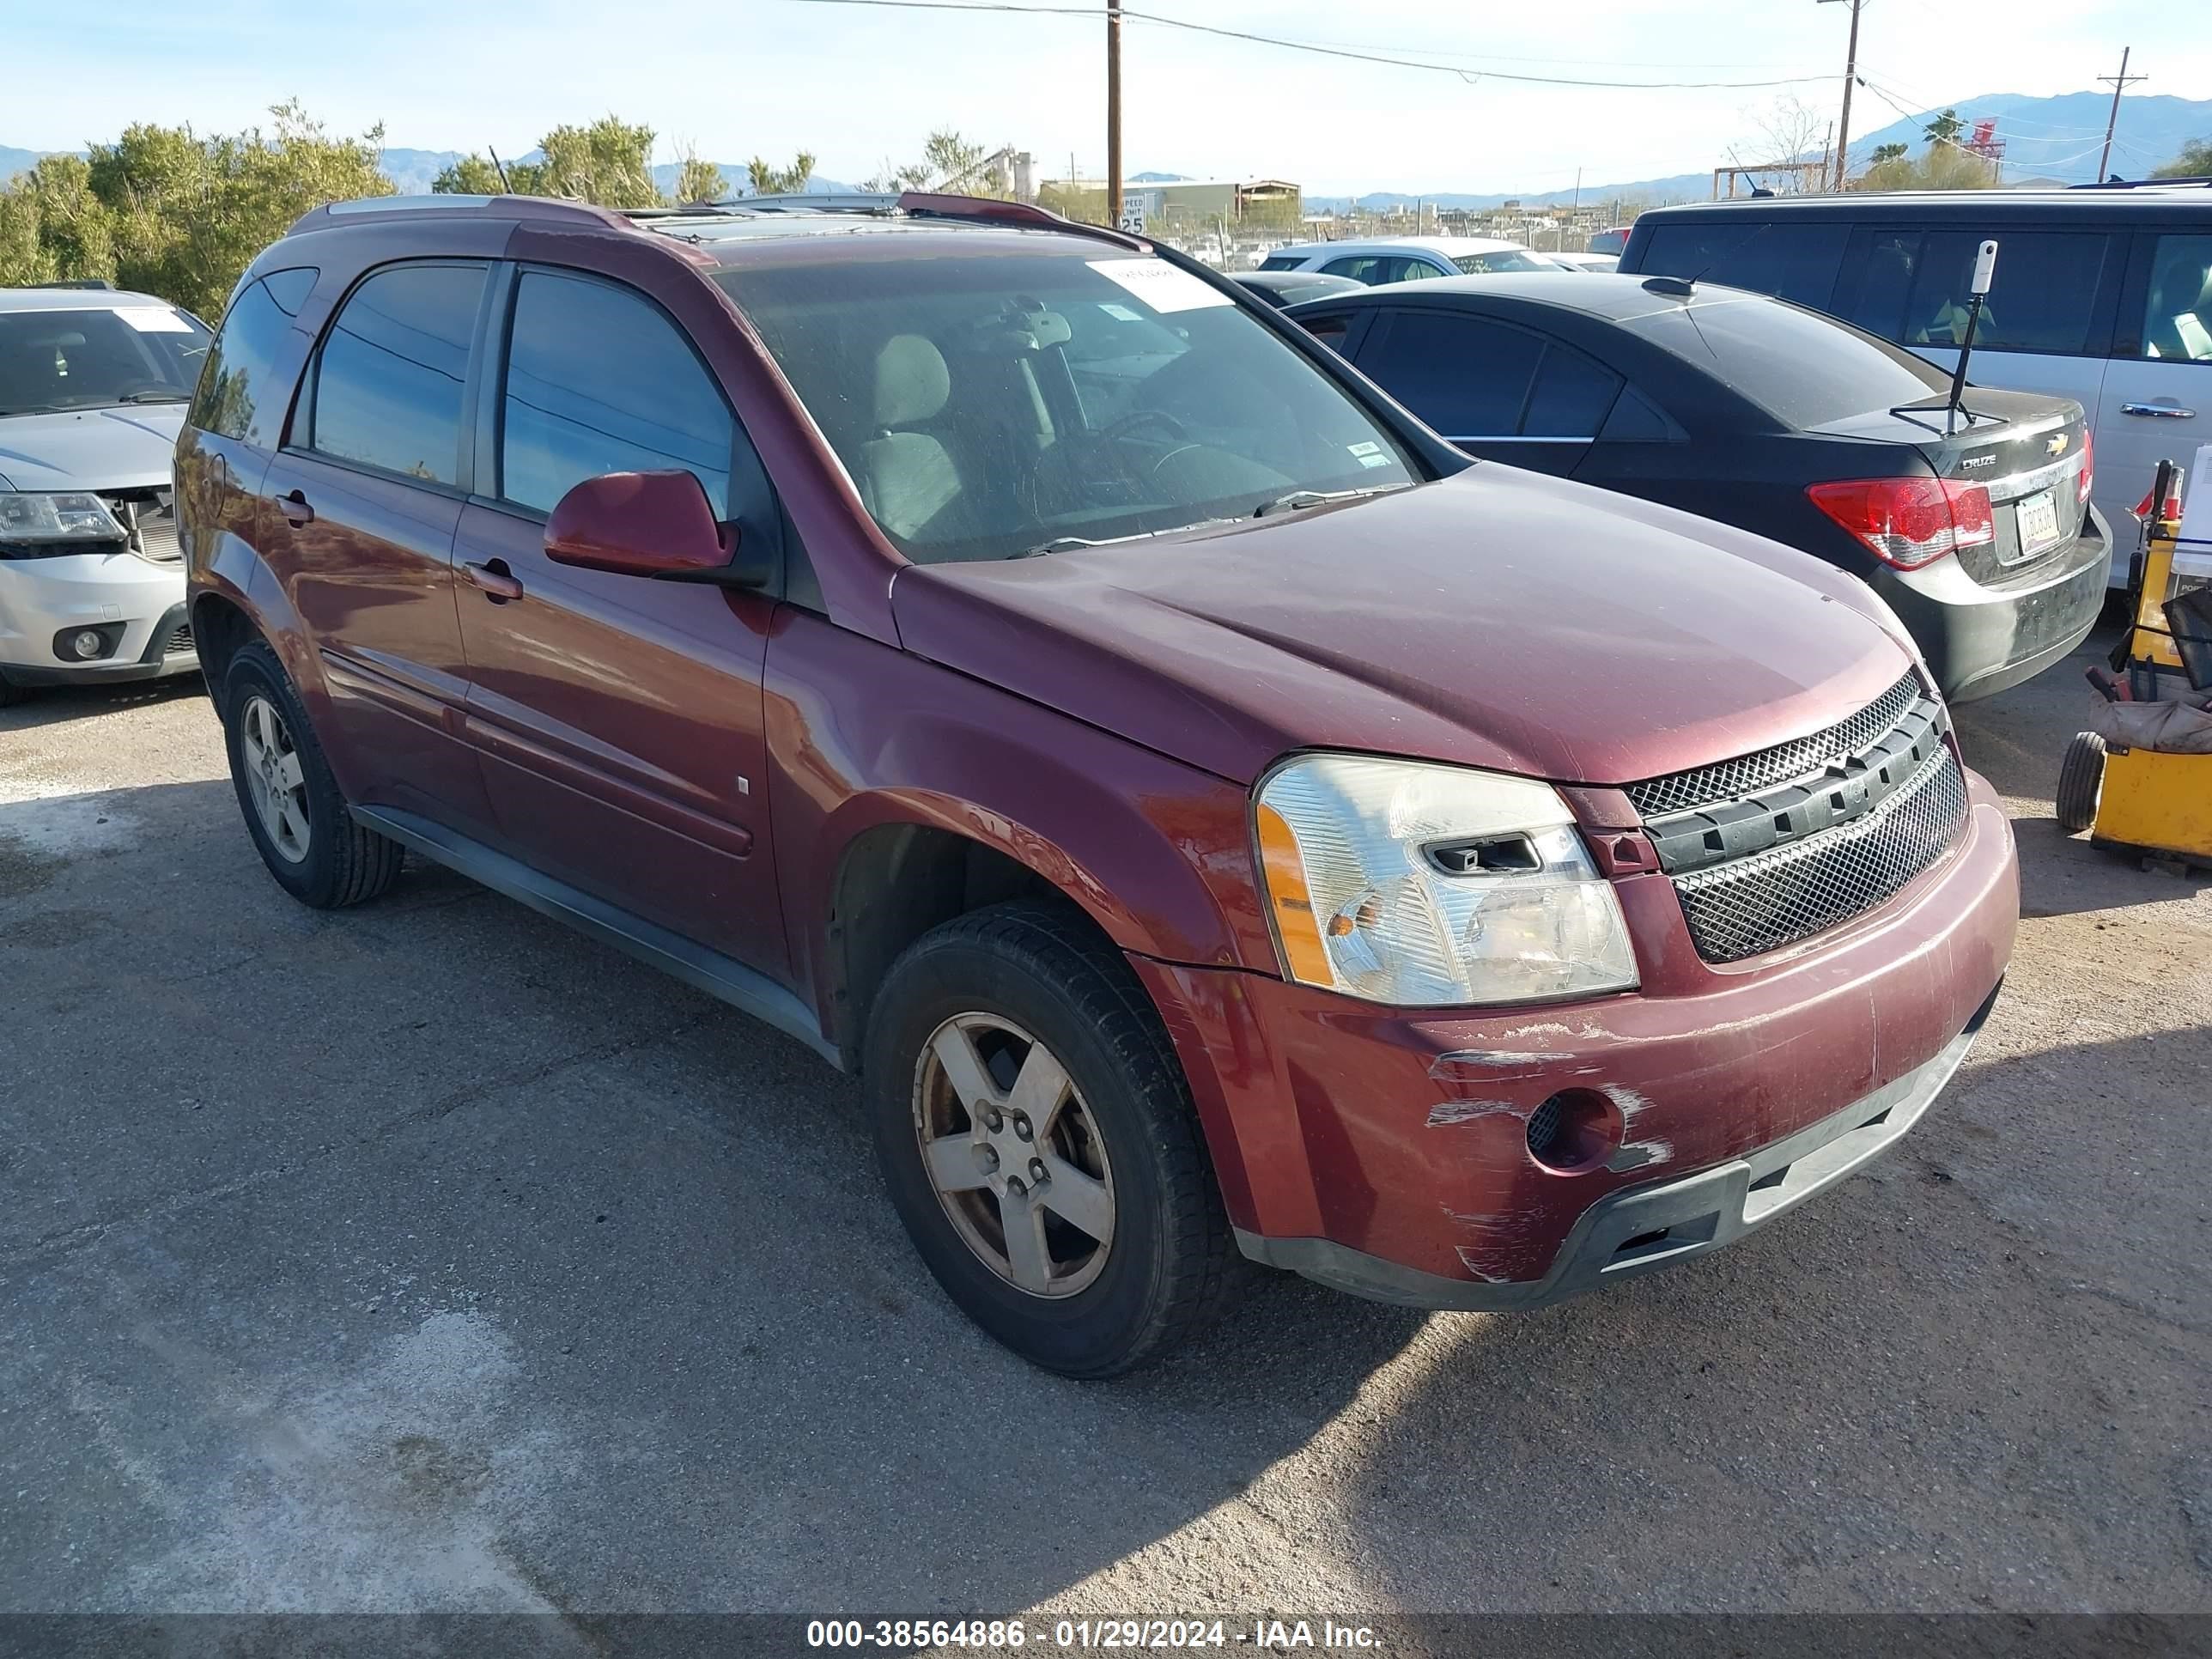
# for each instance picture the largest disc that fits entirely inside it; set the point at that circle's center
(857, 85)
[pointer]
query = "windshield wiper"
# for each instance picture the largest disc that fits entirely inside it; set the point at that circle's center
(156, 398)
(1073, 544)
(1299, 500)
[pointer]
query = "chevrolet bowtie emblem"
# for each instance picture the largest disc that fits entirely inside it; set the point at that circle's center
(2057, 444)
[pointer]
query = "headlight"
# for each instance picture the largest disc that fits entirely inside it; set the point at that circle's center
(33, 524)
(1425, 885)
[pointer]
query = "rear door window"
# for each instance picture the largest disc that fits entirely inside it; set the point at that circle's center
(2176, 320)
(1791, 261)
(1466, 376)
(1912, 287)
(390, 376)
(599, 380)
(238, 396)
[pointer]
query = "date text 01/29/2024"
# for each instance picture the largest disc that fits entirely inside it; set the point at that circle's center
(1086, 1633)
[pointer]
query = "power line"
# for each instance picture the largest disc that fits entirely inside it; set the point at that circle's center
(1469, 76)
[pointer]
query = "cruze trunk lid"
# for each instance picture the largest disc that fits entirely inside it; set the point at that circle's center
(1491, 619)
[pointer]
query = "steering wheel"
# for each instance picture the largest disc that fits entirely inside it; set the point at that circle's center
(1137, 419)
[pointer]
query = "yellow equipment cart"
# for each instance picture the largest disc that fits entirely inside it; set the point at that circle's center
(2139, 801)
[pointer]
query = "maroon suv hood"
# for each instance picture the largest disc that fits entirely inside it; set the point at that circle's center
(1497, 618)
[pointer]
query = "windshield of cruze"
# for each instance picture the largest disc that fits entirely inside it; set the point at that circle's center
(993, 406)
(93, 359)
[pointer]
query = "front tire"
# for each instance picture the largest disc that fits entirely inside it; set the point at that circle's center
(292, 807)
(1037, 1138)
(10, 693)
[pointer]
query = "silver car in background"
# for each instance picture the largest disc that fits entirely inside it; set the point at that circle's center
(93, 388)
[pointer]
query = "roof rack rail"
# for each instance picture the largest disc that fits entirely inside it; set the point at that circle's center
(2199, 179)
(535, 207)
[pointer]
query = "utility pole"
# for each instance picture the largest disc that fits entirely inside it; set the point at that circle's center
(1850, 78)
(1113, 111)
(2119, 83)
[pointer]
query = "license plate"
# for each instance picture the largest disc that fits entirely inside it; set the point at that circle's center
(2037, 516)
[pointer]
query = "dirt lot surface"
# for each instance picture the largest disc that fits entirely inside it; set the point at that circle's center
(428, 1256)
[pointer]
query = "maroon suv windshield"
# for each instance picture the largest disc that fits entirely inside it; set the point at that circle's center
(993, 406)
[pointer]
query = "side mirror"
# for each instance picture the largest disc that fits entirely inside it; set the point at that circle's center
(648, 523)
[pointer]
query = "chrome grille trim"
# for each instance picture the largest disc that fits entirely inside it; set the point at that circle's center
(1785, 763)
(1771, 899)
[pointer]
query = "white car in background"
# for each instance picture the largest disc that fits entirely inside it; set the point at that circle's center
(1582, 262)
(1405, 258)
(93, 388)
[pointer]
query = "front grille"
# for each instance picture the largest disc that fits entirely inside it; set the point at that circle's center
(1784, 763)
(1788, 893)
(157, 539)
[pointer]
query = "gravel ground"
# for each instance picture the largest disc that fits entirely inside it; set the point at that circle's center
(430, 1256)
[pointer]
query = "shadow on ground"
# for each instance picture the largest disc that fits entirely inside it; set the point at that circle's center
(429, 1255)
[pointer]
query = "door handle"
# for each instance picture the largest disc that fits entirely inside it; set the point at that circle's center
(2159, 411)
(295, 509)
(498, 583)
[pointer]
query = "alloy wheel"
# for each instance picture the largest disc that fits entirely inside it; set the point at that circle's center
(1014, 1155)
(274, 781)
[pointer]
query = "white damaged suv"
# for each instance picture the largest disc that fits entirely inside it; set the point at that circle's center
(93, 389)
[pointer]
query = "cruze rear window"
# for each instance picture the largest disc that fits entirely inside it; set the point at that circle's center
(993, 406)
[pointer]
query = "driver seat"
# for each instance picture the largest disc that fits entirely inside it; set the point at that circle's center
(907, 477)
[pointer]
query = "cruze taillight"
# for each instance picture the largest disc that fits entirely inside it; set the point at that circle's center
(2089, 468)
(1910, 522)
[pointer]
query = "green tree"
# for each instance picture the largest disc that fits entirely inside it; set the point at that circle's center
(166, 211)
(2194, 161)
(1945, 128)
(768, 181)
(948, 162)
(479, 175)
(1945, 166)
(702, 181)
(1887, 152)
(53, 227)
(608, 163)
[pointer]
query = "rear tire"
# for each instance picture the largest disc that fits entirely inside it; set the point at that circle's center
(292, 807)
(1021, 1011)
(2081, 782)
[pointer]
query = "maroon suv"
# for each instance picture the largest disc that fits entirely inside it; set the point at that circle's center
(1211, 814)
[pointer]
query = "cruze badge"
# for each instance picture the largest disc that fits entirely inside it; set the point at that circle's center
(2057, 444)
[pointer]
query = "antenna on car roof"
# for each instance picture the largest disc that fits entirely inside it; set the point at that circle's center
(1985, 272)
(498, 167)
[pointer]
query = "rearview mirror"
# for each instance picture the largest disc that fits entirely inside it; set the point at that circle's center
(646, 524)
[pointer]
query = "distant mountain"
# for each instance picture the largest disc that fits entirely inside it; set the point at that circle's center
(2060, 137)
(2055, 138)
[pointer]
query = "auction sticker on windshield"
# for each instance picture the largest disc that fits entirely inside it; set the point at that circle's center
(1159, 284)
(147, 319)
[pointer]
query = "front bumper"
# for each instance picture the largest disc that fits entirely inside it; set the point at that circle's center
(1385, 1150)
(41, 599)
(1983, 638)
(1641, 1228)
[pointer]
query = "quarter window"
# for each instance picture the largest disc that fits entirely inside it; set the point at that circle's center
(597, 381)
(390, 377)
(238, 396)
(1572, 395)
(2177, 323)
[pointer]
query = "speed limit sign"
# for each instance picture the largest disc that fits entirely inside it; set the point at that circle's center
(1133, 221)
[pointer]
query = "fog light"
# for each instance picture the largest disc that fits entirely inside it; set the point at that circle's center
(1575, 1129)
(85, 644)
